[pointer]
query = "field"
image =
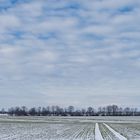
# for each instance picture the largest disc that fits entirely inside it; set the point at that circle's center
(69, 128)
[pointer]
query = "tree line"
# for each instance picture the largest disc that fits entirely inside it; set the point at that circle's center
(110, 110)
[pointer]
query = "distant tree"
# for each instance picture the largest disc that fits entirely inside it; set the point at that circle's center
(53, 110)
(18, 111)
(11, 111)
(127, 111)
(90, 111)
(70, 110)
(48, 108)
(120, 111)
(77, 113)
(135, 110)
(24, 111)
(44, 111)
(33, 111)
(110, 110)
(102, 111)
(38, 111)
(83, 111)
(2, 111)
(114, 110)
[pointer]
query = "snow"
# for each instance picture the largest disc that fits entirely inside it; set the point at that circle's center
(98, 135)
(69, 128)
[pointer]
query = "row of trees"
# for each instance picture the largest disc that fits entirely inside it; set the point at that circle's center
(111, 110)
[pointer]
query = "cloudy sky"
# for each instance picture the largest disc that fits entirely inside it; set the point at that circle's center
(79, 52)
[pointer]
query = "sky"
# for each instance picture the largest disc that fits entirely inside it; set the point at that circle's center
(69, 52)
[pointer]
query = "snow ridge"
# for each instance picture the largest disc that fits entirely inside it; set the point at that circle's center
(98, 135)
(119, 136)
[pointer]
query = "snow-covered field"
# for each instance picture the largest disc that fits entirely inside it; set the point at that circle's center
(69, 128)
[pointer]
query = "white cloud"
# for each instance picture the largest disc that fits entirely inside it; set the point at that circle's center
(8, 22)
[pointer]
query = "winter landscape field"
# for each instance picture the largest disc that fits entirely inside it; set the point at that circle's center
(69, 128)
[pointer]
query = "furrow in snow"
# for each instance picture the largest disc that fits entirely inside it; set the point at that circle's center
(98, 135)
(119, 136)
